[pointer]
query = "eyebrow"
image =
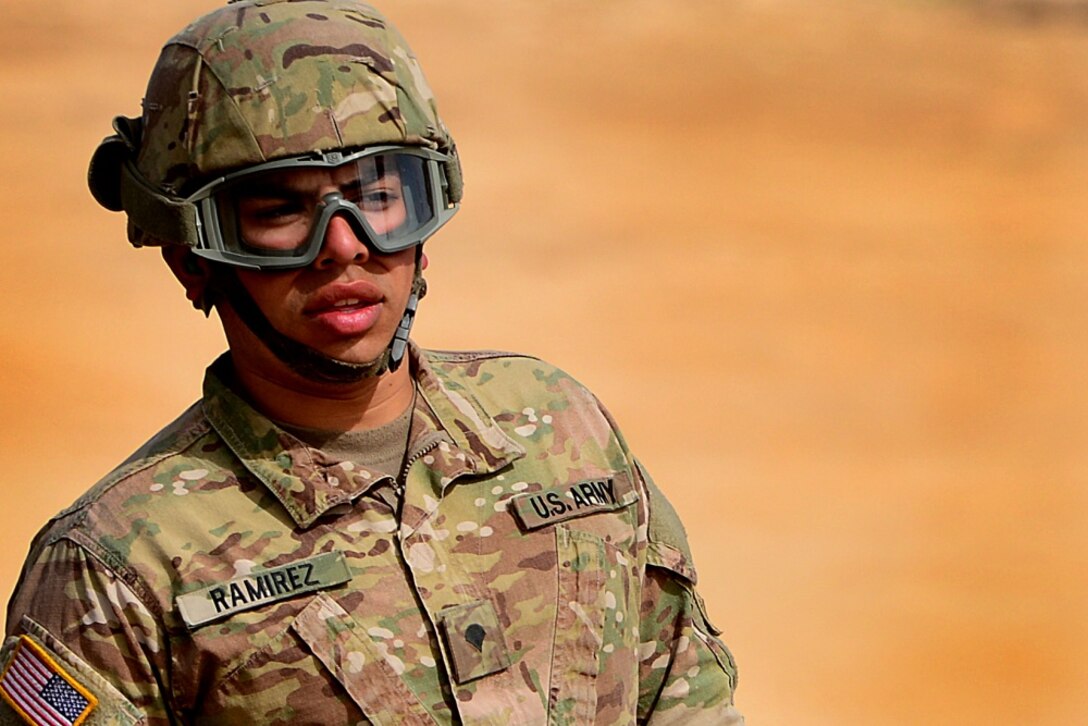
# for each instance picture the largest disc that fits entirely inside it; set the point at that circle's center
(353, 187)
(284, 189)
(270, 190)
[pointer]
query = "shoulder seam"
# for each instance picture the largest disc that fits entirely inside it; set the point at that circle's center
(128, 470)
(77, 534)
(116, 565)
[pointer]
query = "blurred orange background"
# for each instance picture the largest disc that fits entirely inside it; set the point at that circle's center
(824, 260)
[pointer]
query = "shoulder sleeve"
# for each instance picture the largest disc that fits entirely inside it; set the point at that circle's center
(75, 620)
(686, 673)
(668, 542)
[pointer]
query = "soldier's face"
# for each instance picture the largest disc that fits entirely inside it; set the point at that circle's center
(277, 211)
(348, 302)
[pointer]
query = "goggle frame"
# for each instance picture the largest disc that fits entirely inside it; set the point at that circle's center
(212, 244)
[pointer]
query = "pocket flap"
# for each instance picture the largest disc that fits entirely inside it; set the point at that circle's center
(348, 652)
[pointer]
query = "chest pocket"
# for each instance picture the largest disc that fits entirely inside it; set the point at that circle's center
(593, 633)
(354, 659)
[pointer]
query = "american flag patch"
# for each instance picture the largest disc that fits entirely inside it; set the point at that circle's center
(41, 691)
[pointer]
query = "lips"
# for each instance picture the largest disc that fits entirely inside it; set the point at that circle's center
(346, 309)
(359, 293)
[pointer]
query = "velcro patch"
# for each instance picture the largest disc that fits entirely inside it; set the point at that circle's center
(41, 691)
(557, 504)
(475, 640)
(263, 586)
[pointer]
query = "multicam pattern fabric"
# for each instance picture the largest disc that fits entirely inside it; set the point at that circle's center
(455, 612)
(265, 79)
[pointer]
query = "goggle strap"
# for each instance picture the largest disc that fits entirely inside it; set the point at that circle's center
(118, 185)
(453, 182)
(166, 219)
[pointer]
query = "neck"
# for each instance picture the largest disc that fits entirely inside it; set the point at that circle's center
(365, 404)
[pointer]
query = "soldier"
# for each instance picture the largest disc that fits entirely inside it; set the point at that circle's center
(345, 528)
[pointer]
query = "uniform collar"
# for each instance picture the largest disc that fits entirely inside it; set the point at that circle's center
(455, 411)
(309, 483)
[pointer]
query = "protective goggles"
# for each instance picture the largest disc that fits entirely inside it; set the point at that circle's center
(274, 216)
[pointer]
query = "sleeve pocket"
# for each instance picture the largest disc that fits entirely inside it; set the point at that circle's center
(68, 682)
(708, 633)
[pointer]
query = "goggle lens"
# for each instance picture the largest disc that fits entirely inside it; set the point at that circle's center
(276, 215)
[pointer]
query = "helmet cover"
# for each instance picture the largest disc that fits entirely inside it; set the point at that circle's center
(260, 80)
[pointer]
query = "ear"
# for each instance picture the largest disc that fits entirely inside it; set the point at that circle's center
(194, 273)
(423, 262)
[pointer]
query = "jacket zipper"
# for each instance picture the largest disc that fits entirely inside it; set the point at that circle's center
(398, 485)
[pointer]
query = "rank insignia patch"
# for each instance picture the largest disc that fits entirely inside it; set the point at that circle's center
(41, 690)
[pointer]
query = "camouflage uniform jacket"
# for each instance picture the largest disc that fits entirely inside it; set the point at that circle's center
(227, 573)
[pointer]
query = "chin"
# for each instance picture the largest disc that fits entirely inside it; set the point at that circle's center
(358, 354)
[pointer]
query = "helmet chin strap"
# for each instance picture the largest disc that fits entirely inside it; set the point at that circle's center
(308, 362)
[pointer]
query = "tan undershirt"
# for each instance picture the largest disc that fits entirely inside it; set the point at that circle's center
(382, 449)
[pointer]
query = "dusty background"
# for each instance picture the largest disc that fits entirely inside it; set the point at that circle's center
(825, 261)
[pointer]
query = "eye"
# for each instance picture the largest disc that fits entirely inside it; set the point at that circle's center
(271, 211)
(378, 199)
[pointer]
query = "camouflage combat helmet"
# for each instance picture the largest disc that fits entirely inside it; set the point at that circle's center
(260, 80)
(264, 82)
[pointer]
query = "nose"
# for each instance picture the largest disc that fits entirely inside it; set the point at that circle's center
(341, 245)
